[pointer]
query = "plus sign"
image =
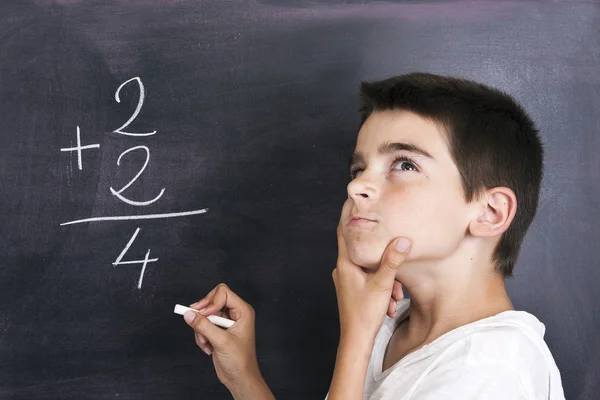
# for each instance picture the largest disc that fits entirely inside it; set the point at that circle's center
(79, 147)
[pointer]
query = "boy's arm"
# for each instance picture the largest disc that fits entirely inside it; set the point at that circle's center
(352, 362)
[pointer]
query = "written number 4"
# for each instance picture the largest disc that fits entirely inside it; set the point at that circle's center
(144, 262)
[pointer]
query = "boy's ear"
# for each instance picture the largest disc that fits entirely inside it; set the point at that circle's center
(496, 209)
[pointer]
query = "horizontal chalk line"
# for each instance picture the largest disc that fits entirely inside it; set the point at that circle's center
(130, 217)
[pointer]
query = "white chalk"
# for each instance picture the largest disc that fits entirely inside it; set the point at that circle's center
(215, 319)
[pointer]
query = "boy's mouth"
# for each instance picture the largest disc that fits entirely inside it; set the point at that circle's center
(358, 220)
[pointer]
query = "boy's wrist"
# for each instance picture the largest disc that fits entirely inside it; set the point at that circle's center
(252, 387)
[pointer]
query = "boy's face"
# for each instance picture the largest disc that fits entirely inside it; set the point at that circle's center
(399, 191)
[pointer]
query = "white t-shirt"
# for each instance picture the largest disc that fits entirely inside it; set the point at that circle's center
(496, 358)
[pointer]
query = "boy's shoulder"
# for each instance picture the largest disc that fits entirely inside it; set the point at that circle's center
(507, 342)
(511, 340)
(510, 337)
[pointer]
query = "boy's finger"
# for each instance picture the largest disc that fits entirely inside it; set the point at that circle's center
(204, 345)
(200, 339)
(225, 297)
(201, 325)
(391, 308)
(200, 304)
(207, 299)
(341, 242)
(397, 293)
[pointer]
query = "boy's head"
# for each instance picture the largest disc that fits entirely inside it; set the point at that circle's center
(443, 161)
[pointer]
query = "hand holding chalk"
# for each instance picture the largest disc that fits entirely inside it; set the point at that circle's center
(215, 319)
(233, 349)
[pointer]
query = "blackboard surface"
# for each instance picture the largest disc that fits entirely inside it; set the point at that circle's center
(254, 107)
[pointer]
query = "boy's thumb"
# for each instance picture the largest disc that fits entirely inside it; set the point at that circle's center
(395, 255)
(402, 245)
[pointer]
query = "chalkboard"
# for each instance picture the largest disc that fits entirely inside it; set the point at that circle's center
(245, 115)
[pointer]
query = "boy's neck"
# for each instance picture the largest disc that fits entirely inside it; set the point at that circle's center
(443, 301)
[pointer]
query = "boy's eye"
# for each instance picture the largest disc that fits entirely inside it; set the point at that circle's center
(405, 166)
(399, 164)
(354, 173)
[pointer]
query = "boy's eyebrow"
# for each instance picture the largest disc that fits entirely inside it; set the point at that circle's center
(387, 148)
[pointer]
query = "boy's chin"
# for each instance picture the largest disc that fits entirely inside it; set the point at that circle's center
(365, 250)
(366, 259)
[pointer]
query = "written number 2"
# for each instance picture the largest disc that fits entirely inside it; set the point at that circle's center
(137, 109)
(117, 193)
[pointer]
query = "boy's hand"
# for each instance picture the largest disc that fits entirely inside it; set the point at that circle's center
(233, 350)
(364, 298)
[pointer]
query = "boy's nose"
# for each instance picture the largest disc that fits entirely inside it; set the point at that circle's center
(362, 189)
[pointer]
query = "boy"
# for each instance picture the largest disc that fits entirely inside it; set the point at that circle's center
(455, 167)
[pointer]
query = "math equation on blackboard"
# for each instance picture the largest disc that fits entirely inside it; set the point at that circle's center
(121, 194)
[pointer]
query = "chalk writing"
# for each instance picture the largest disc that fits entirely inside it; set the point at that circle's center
(118, 193)
(137, 109)
(143, 216)
(79, 147)
(144, 262)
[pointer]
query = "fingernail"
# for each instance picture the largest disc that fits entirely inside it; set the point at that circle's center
(201, 311)
(189, 316)
(402, 245)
